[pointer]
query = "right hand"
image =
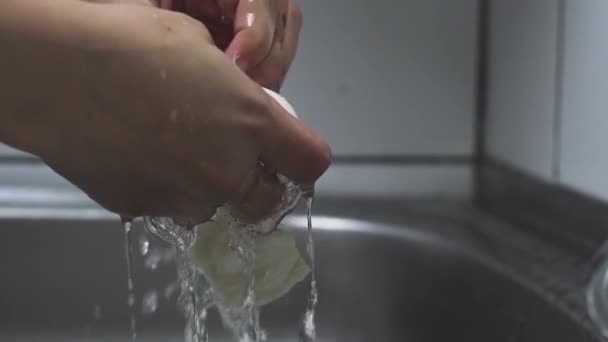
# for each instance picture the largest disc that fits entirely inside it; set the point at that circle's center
(261, 36)
(156, 121)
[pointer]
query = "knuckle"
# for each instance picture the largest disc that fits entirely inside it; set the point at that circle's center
(257, 195)
(325, 158)
(255, 44)
(243, 187)
(319, 163)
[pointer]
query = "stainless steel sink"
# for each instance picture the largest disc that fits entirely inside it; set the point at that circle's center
(391, 276)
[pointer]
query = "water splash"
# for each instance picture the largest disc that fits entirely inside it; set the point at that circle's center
(159, 256)
(196, 325)
(130, 288)
(195, 295)
(182, 237)
(170, 290)
(152, 260)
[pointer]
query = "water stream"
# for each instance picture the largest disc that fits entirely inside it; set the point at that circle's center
(196, 296)
(308, 331)
(130, 288)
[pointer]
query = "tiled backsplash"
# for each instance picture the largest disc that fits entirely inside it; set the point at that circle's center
(548, 77)
(521, 84)
(584, 115)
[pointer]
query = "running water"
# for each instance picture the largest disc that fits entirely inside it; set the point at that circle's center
(195, 295)
(308, 331)
(183, 238)
(126, 223)
(244, 320)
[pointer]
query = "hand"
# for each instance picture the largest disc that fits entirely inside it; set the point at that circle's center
(261, 35)
(152, 119)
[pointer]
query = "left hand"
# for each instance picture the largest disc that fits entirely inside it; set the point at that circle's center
(261, 36)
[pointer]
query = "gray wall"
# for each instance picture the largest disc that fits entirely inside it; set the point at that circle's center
(389, 78)
(548, 83)
(584, 116)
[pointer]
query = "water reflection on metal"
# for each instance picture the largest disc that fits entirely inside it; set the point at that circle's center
(338, 224)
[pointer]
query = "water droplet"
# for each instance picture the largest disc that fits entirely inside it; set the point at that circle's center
(152, 260)
(131, 300)
(149, 303)
(144, 245)
(96, 312)
(158, 256)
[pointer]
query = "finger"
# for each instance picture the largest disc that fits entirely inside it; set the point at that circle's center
(287, 42)
(293, 149)
(272, 71)
(259, 196)
(254, 28)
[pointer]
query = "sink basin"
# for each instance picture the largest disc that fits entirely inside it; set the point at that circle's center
(65, 280)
